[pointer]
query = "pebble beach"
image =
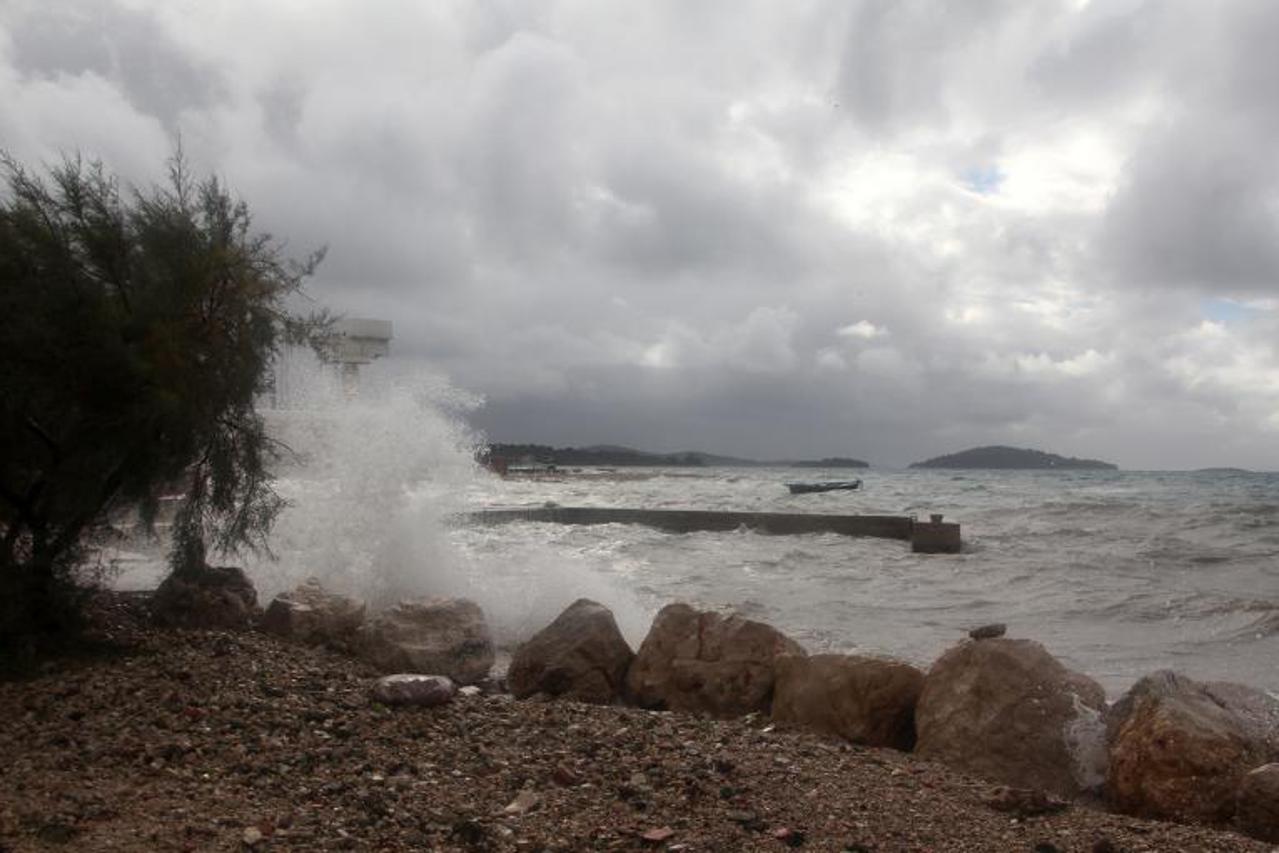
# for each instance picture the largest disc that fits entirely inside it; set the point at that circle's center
(209, 740)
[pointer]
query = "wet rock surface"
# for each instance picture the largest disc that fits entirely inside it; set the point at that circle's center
(1180, 748)
(1257, 803)
(1009, 711)
(219, 741)
(424, 691)
(215, 597)
(868, 701)
(989, 632)
(707, 663)
(448, 636)
(312, 614)
(581, 655)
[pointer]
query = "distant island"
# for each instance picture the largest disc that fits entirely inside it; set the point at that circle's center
(612, 455)
(999, 456)
(828, 462)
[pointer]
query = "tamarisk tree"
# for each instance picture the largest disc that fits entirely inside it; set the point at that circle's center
(137, 328)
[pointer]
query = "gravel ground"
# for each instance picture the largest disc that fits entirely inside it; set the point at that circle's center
(217, 741)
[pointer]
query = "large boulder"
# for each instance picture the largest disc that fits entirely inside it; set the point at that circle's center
(704, 662)
(581, 655)
(312, 614)
(446, 636)
(865, 700)
(1257, 803)
(214, 597)
(1009, 711)
(1179, 748)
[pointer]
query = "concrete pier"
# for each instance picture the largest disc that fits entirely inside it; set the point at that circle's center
(689, 520)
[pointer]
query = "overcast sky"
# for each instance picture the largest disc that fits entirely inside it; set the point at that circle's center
(885, 229)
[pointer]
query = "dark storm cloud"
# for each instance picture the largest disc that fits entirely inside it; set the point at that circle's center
(1195, 208)
(120, 44)
(1198, 210)
(896, 65)
(880, 229)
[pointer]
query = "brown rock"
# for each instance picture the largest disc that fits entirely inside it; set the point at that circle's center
(425, 691)
(215, 597)
(703, 662)
(1180, 748)
(1257, 803)
(441, 635)
(581, 655)
(312, 614)
(865, 700)
(1009, 711)
(989, 632)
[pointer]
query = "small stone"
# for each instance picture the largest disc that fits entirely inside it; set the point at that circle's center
(252, 836)
(470, 690)
(1024, 802)
(789, 837)
(740, 816)
(989, 632)
(525, 801)
(423, 691)
(658, 835)
(566, 776)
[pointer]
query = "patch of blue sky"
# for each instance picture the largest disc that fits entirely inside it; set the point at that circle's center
(1225, 310)
(983, 180)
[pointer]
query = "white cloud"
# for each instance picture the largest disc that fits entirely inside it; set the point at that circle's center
(939, 223)
(862, 329)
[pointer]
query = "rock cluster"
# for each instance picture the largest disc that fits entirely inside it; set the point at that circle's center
(216, 740)
(999, 708)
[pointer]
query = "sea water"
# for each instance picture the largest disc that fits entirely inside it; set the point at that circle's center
(1118, 573)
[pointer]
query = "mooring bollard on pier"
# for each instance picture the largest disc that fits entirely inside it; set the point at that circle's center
(934, 537)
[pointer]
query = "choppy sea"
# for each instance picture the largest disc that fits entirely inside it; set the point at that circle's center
(1118, 573)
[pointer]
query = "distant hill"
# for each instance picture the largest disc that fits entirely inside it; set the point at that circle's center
(608, 455)
(999, 456)
(829, 462)
(616, 456)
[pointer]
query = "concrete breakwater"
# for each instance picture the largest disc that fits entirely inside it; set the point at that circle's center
(933, 536)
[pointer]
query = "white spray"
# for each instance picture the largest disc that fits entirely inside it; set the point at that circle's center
(378, 479)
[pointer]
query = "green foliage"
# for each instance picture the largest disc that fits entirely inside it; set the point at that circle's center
(136, 331)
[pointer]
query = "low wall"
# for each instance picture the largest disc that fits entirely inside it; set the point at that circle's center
(689, 520)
